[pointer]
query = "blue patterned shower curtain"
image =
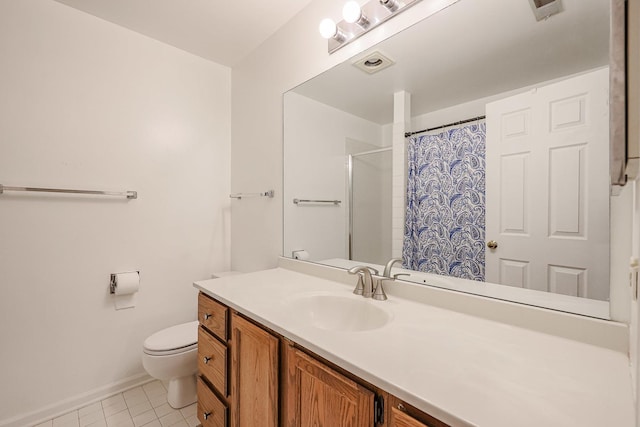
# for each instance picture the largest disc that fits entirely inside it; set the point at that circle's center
(444, 223)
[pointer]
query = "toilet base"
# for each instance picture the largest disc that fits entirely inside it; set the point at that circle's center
(181, 391)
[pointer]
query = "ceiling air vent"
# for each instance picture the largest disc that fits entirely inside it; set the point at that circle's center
(373, 63)
(543, 9)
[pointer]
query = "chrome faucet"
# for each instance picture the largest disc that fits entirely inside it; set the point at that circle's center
(364, 286)
(389, 266)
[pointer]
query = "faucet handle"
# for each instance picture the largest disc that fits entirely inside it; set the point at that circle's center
(378, 293)
(395, 276)
(359, 290)
(360, 272)
(364, 286)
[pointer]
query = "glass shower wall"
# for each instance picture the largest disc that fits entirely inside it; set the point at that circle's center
(370, 206)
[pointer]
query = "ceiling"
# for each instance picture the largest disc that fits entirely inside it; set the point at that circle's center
(222, 31)
(468, 51)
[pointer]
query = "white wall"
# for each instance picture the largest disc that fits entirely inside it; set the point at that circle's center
(316, 152)
(291, 56)
(87, 104)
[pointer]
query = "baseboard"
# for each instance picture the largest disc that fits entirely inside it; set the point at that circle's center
(75, 402)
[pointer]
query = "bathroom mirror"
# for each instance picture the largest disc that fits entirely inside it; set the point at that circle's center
(506, 195)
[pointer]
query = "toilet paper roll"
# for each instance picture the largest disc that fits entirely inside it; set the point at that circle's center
(126, 289)
(127, 283)
(301, 254)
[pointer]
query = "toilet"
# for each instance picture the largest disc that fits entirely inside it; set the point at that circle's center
(172, 354)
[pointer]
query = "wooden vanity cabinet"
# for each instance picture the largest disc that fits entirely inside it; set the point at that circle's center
(250, 376)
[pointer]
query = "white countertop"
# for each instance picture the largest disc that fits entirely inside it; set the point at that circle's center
(464, 370)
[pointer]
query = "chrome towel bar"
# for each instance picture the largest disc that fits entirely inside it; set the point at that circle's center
(127, 194)
(242, 195)
(333, 202)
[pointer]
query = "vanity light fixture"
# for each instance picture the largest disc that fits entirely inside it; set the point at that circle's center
(392, 5)
(358, 20)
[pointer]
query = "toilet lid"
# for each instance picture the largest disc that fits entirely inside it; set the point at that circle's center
(173, 338)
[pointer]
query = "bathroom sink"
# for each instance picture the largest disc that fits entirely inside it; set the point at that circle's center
(340, 312)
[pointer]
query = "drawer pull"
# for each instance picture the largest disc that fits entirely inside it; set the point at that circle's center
(207, 316)
(206, 360)
(206, 415)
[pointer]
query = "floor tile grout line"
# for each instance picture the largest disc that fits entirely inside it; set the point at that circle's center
(152, 386)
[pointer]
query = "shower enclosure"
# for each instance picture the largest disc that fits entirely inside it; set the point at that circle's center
(369, 205)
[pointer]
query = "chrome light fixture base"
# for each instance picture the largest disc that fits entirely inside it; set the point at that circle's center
(376, 12)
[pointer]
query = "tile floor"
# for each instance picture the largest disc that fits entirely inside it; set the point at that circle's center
(141, 406)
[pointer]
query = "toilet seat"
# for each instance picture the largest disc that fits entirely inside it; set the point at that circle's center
(174, 340)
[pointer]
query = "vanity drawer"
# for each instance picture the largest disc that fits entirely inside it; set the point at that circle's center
(404, 415)
(213, 316)
(212, 360)
(211, 411)
(400, 419)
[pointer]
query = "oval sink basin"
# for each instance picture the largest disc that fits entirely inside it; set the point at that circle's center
(340, 313)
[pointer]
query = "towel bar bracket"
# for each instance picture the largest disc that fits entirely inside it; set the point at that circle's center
(239, 196)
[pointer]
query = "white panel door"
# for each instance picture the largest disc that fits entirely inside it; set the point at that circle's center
(548, 188)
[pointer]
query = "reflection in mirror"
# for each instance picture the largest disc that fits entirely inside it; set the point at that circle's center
(501, 185)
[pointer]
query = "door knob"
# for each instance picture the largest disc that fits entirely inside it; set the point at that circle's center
(492, 244)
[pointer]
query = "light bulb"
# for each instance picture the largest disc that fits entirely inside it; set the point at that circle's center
(391, 5)
(351, 11)
(328, 28)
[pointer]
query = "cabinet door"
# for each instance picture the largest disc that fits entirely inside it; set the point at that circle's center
(254, 375)
(319, 396)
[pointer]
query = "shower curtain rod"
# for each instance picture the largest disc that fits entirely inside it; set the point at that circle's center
(408, 134)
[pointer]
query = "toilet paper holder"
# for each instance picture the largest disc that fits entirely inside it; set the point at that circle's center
(113, 282)
(300, 254)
